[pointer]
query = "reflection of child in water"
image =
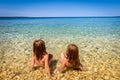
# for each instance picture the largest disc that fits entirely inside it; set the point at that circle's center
(40, 56)
(70, 59)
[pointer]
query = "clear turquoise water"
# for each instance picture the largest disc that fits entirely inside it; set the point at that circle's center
(58, 27)
(68, 30)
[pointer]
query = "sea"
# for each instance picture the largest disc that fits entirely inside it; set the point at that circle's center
(58, 32)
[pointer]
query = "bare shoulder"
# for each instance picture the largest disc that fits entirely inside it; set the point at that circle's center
(46, 56)
(62, 53)
(62, 56)
(33, 56)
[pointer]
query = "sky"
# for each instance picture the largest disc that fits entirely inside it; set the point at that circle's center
(59, 8)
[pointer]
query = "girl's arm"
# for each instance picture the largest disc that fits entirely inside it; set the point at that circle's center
(32, 63)
(60, 69)
(63, 63)
(47, 65)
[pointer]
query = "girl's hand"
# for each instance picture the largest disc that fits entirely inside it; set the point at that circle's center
(31, 68)
(57, 70)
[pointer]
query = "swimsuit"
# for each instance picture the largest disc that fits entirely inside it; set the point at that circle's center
(50, 56)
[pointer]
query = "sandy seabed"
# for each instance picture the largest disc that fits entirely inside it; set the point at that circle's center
(101, 56)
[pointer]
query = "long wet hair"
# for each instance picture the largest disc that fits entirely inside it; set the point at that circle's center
(72, 55)
(39, 49)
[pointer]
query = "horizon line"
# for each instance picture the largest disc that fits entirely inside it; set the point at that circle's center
(52, 16)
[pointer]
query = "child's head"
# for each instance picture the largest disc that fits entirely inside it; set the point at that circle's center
(72, 54)
(39, 48)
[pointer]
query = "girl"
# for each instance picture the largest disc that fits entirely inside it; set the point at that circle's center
(40, 56)
(70, 59)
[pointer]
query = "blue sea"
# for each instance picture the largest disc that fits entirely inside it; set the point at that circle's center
(58, 32)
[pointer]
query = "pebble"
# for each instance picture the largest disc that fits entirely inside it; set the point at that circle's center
(15, 64)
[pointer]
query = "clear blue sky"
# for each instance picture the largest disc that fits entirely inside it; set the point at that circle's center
(58, 8)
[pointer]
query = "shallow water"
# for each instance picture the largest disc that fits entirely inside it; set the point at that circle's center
(98, 40)
(59, 30)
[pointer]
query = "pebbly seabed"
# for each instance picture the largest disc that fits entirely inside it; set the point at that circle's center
(98, 40)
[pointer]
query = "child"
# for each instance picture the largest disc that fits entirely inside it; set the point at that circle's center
(70, 59)
(40, 56)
